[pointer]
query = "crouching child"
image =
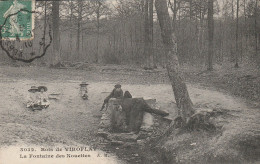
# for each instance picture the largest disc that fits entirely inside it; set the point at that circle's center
(32, 100)
(43, 97)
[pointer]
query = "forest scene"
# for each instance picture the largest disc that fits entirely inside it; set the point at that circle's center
(184, 76)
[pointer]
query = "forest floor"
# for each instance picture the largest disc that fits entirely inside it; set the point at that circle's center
(241, 82)
(73, 121)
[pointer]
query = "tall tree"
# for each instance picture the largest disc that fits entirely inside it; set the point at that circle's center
(210, 34)
(148, 34)
(246, 26)
(236, 58)
(183, 101)
(232, 9)
(152, 62)
(79, 10)
(255, 17)
(232, 33)
(56, 31)
(98, 3)
(71, 7)
(174, 11)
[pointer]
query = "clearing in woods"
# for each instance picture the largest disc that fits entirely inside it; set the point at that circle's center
(73, 120)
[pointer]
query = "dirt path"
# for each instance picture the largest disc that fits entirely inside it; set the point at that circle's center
(72, 120)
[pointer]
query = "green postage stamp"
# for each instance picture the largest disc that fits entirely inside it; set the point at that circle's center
(17, 19)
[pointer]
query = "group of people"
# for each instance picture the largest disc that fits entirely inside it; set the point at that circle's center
(38, 98)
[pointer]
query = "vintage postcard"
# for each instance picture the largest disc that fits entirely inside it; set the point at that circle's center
(129, 81)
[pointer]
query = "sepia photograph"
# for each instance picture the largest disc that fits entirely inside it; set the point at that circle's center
(129, 81)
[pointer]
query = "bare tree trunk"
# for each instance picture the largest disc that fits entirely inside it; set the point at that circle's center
(45, 21)
(131, 44)
(82, 47)
(211, 34)
(190, 3)
(70, 39)
(231, 33)
(201, 31)
(246, 30)
(151, 54)
(79, 26)
(232, 9)
(175, 15)
(114, 41)
(120, 42)
(124, 39)
(236, 65)
(221, 42)
(183, 101)
(256, 46)
(174, 11)
(146, 34)
(56, 32)
(98, 29)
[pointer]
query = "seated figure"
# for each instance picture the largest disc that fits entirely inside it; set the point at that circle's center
(32, 100)
(37, 98)
(43, 97)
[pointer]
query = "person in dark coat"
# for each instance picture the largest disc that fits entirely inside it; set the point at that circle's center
(127, 94)
(117, 92)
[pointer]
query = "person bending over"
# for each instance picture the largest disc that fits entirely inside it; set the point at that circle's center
(117, 92)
